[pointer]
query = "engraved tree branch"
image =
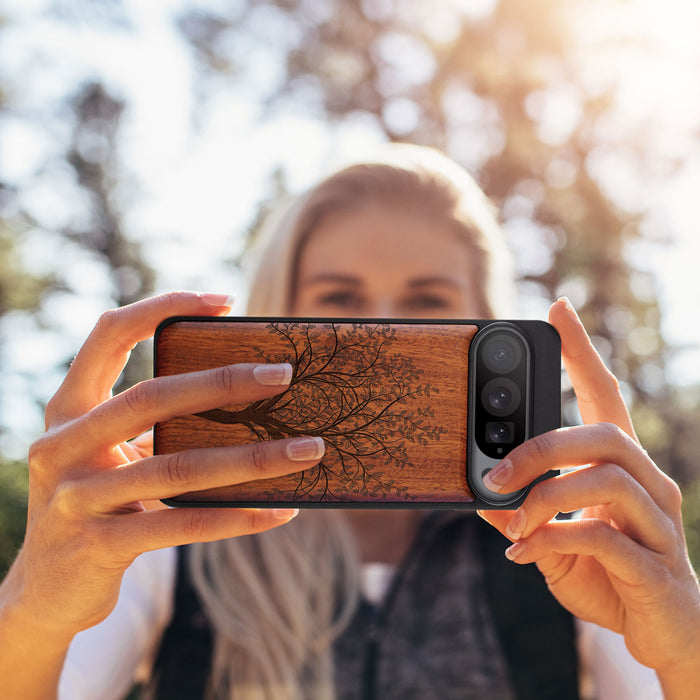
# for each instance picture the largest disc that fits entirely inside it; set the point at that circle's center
(353, 390)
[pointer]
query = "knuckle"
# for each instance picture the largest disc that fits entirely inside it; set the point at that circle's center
(196, 525)
(610, 432)
(174, 299)
(256, 459)
(257, 521)
(674, 495)
(107, 322)
(110, 327)
(673, 537)
(176, 470)
(39, 453)
(225, 378)
(53, 410)
(43, 455)
(67, 498)
(600, 533)
(141, 397)
(612, 384)
(661, 570)
(539, 448)
(617, 478)
(542, 495)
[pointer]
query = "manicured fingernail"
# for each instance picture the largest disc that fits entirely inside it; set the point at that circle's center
(569, 306)
(515, 550)
(273, 375)
(285, 514)
(498, 477)
(218, 299)
(305, 449)
(517, 525)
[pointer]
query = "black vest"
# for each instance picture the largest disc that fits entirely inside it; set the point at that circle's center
(534, 634)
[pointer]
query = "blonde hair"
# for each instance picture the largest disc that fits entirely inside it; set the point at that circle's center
(404, 175)
(277, 600)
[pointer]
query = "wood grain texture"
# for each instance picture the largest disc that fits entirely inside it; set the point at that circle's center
(390, 401)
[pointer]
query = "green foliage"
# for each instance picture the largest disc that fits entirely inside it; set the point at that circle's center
(18, 289)
(691, 521)
(14, 483)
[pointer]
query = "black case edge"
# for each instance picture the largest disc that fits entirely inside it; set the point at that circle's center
(545, 419)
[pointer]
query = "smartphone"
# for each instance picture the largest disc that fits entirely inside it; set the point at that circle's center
(413, 413)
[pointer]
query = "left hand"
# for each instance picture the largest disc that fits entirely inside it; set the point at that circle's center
(623, 564)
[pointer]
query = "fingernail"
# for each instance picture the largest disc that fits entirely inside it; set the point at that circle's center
(498, 477)
(305, 449)
(569, 306)
(218, 299)
(285, 514)
(273, 375)
(517, 525)
(515, 550)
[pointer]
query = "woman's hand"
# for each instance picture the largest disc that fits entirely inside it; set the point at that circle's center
(88, 514)
(623, 564)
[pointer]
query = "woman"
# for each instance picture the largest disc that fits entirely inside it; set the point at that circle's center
(412, 236)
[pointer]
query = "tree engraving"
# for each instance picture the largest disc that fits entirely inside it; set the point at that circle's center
(350, 387)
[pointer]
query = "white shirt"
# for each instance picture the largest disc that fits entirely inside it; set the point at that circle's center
(104, 661)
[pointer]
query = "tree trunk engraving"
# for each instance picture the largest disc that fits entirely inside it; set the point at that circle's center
(350, 388)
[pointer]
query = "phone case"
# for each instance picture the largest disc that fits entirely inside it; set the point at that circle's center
(389, 398)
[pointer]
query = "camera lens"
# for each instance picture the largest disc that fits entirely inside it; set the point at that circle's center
(499, 432)
(502, 353)
(500, 396)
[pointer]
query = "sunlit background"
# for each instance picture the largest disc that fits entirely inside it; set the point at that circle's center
(139, 140)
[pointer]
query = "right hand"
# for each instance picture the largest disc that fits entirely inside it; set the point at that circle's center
(88, 513)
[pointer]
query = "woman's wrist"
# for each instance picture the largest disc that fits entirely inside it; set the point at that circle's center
(681, 684)
(18, 616)
(31, 664)
(682, 680)
(33, 653)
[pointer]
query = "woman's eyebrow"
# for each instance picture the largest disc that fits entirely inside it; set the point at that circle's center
(334, 278)
(433, 281)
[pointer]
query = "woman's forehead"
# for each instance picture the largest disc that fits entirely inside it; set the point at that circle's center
(385, 234)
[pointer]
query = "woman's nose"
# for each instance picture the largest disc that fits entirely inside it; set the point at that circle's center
(382, 308)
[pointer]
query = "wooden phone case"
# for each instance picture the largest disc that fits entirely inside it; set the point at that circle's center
(389, 398)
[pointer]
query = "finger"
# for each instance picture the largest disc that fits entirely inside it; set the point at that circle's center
(614, 550)
(596, 388)
(165, 476)
(579, 445)
(105, 352)
(143, 444)
(606, 486)
(138, 448)
(156, 529)
(497, 518)
(156, 400)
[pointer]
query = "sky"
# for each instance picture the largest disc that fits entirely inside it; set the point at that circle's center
(191, 185)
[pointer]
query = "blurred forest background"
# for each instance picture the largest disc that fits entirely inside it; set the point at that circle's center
(580, 119)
